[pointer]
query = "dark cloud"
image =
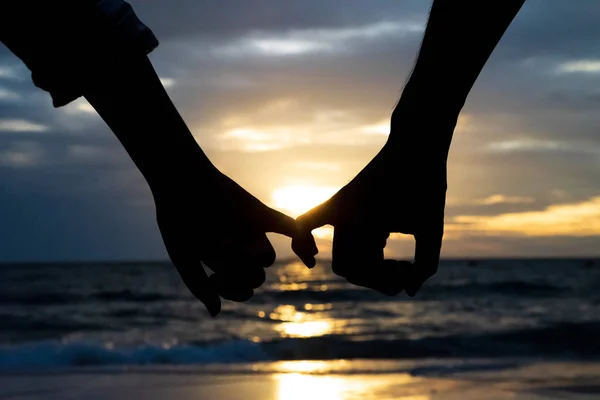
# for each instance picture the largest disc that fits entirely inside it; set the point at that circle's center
(82, 197)
(556, 28)
(172, 19)
(73, 214)
(479, 245)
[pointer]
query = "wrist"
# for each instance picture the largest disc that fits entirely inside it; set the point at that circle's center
(432, 89)
(420, 169)
(175, 169)
(414, 136)
(426, 115)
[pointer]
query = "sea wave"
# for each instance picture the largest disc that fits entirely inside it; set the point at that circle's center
(313, 294)
(50, 354)
(429, 292)
(556, 341)
(54, 298)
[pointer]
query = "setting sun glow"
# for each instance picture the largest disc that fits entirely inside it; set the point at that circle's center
(298, 199)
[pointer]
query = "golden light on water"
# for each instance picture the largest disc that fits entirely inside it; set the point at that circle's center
(305, 329)
(300, 324)
(296, 386)
(287, 312)
(291, 272)
(293, 286)
(302, 387)
(318, 307)
(309, 366)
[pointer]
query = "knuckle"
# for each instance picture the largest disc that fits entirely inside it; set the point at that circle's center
(257, 278)
(338, 269)
(264, 258)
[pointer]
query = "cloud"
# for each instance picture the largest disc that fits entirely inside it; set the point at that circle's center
(306, 41)
(289, 122)
(85, 107)
(525, 144)
(541, 145)
(214, 20)
(9, 95)
(464, 124)
(8, 72)
(319, 165)
(570, 219)
(272, 47)
(167, 82)
(79, 106)
(554, 27)
(21, 125)
(301, 94)
(85, 152)
(279, 137)
(51, 214)
(22, 154)
(249, 139)
(382, 128)
(579, 66)
(502, 199)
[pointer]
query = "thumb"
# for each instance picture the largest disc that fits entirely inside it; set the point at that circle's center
(427, 258)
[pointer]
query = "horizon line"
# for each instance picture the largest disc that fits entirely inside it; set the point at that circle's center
(285, 260)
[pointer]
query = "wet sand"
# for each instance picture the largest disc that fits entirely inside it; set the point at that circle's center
(531, 381)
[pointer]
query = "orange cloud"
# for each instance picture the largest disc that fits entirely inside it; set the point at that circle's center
(572, 219)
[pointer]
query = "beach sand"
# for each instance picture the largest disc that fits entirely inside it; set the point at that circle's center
(255, 382)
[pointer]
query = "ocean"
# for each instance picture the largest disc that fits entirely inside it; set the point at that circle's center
(74, 315)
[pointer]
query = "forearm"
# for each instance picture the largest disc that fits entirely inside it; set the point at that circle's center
(132, 101)
(459, 38)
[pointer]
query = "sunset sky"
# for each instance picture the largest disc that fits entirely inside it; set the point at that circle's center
(291, 99)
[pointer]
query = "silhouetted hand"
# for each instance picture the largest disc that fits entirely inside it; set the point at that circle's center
(209, 218)
(400, 190)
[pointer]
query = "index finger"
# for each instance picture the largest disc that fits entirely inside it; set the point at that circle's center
(317, 217)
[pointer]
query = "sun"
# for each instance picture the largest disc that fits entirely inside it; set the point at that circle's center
(295, 200)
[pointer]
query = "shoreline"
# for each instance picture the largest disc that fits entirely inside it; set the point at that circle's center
(295, 380)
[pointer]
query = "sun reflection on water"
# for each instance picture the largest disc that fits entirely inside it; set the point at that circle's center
(318, 307)
(287, 312)
(305, 329)
(299, 323)
(302, 387)
(296, 386)
(310, 366)
(293, 286)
